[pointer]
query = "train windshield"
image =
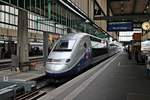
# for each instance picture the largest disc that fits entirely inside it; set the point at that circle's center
(64, 45)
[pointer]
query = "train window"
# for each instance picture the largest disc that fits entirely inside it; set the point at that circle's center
(96, 44)
(64, 45)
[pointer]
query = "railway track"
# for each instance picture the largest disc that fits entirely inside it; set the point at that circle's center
(43, 86)
(33, 95)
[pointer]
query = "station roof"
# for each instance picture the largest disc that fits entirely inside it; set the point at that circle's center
(131, 9)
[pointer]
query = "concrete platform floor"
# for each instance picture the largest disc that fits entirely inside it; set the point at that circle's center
(116, 79)
(26, 76)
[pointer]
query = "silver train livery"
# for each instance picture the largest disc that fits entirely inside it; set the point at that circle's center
(74, 52)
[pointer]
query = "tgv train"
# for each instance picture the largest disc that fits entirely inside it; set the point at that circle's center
(75, 52)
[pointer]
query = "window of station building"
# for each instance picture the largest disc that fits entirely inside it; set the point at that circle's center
(9, 15)
(29, 16)
(11, 19)
(12, 10)
(2, 16)
(48, 28)
(58, 30)
(16, 20)
(2, 7)
(31, 24)
(51, 29)
(16, 11)
(7, 18)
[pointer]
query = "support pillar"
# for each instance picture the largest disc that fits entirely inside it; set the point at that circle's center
(49, 8)
(45, 47)
(55, 27)
(22, 40)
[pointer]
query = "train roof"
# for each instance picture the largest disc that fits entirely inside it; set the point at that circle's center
(74, 36)
(78, 36)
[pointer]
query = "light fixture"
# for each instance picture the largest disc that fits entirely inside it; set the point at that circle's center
(146, 26)
(145, 11)
(121, 2)
(147, 6)
(122, 8)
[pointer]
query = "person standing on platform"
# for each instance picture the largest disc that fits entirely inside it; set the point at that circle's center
(136, 55)
(129, 52)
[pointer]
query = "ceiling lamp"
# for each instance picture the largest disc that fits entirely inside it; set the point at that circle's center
(147, 6)
(145, 11)
(146, 26)
(121, 2)
(122, 9)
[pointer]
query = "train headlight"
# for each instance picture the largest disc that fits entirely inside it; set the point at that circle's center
(59, 60)
(51, 67)
(58, 68)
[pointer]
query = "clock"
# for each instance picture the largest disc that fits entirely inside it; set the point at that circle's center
(146, 26)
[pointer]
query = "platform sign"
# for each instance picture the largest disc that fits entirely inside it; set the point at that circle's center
(119, 26)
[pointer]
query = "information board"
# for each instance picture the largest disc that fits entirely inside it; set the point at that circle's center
(119, 26)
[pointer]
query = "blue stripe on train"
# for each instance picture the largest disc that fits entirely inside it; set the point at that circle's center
(83, 63)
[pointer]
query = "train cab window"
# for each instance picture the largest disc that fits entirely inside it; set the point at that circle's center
(64, 45)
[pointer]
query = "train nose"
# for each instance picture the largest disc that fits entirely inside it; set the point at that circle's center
(55, 67)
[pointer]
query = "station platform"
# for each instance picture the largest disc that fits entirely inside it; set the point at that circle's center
(117, 78)
(23, 76)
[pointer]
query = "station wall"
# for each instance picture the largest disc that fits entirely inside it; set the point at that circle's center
(6, 32)
(88, 7)
(146, 36)
(103, 5)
